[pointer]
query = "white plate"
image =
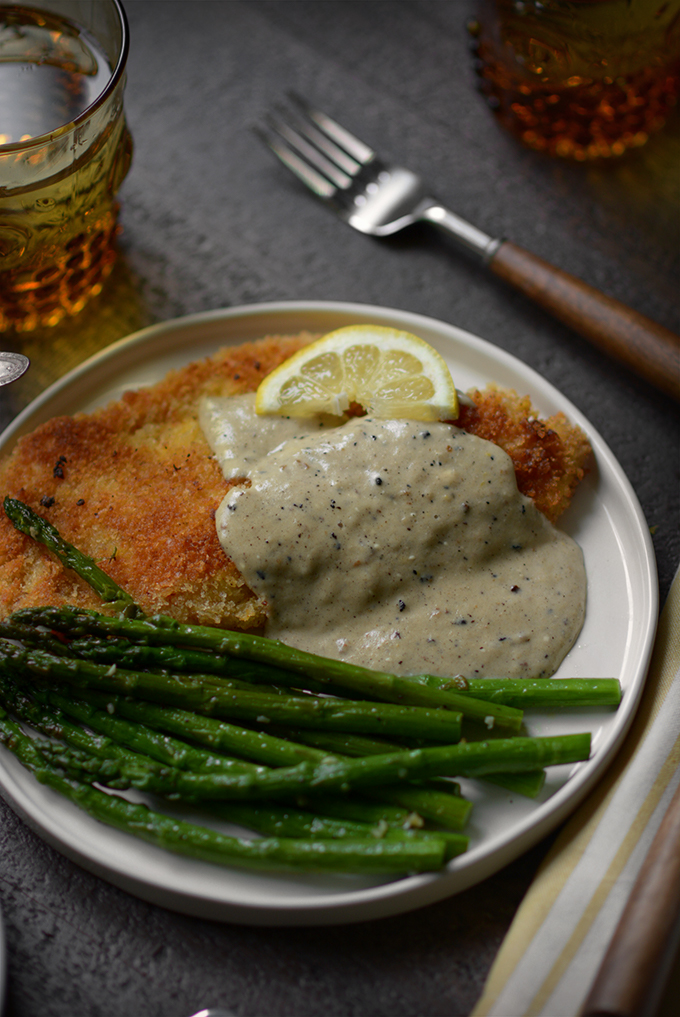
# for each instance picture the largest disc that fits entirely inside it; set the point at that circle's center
(616, 640)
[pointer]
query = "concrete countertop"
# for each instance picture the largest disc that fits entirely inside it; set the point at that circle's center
(209, 219)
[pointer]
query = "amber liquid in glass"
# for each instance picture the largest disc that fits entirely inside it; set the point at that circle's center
(581, 79)
(57, 201)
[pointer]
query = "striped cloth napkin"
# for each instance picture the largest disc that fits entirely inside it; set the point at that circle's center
(558, 938)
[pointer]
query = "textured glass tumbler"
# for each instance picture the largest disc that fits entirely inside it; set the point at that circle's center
(64, 151)
(581, 79)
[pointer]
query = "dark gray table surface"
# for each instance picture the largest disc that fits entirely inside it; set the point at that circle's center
(211, 220)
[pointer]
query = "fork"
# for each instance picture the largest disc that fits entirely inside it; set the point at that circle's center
(379, 199)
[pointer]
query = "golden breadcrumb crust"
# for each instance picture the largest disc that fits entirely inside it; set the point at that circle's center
(551, 456)
(135, 486)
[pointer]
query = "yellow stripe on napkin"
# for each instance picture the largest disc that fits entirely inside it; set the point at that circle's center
(547, 962)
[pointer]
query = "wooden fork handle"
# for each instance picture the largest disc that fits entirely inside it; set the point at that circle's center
(648, 348)
(636, 964)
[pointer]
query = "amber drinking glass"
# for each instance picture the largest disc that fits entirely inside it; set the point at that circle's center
(64, 151)
(581, 79)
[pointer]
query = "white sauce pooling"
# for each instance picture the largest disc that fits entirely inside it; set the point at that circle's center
(239, 438)
(405, 547)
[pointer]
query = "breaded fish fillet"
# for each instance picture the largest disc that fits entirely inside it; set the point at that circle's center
(135, 486)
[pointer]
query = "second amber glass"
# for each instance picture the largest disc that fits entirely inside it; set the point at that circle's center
(580, 79)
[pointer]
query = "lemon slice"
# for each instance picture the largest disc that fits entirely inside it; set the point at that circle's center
(391, 374)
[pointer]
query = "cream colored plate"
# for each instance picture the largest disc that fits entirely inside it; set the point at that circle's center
(616, 640)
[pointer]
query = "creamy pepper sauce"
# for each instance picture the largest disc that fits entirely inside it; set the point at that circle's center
(402, 546)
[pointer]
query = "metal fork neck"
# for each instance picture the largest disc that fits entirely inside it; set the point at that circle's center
(473, 240)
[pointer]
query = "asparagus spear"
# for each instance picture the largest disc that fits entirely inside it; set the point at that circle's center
(338, 674)
(278, 821)
(209, 731)
(443, 804)
(359, 809)
(367, 855)
(439, 807)
(138, 657)
(550, 692)
(340, 743)
(529, 784)
(469, 759)
(446, 808)
(130, 656)
(275, 820)
(26, 520)
(212, 697)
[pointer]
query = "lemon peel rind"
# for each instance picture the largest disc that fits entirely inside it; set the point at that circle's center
(298, 373)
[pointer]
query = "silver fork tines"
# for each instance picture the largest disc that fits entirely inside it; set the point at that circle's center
(325, 156)
(369, 194)
(326, 161)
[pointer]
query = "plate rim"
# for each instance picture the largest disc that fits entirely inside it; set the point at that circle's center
(413, 891)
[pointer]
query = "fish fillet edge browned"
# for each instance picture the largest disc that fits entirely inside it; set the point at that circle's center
(135, 486)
